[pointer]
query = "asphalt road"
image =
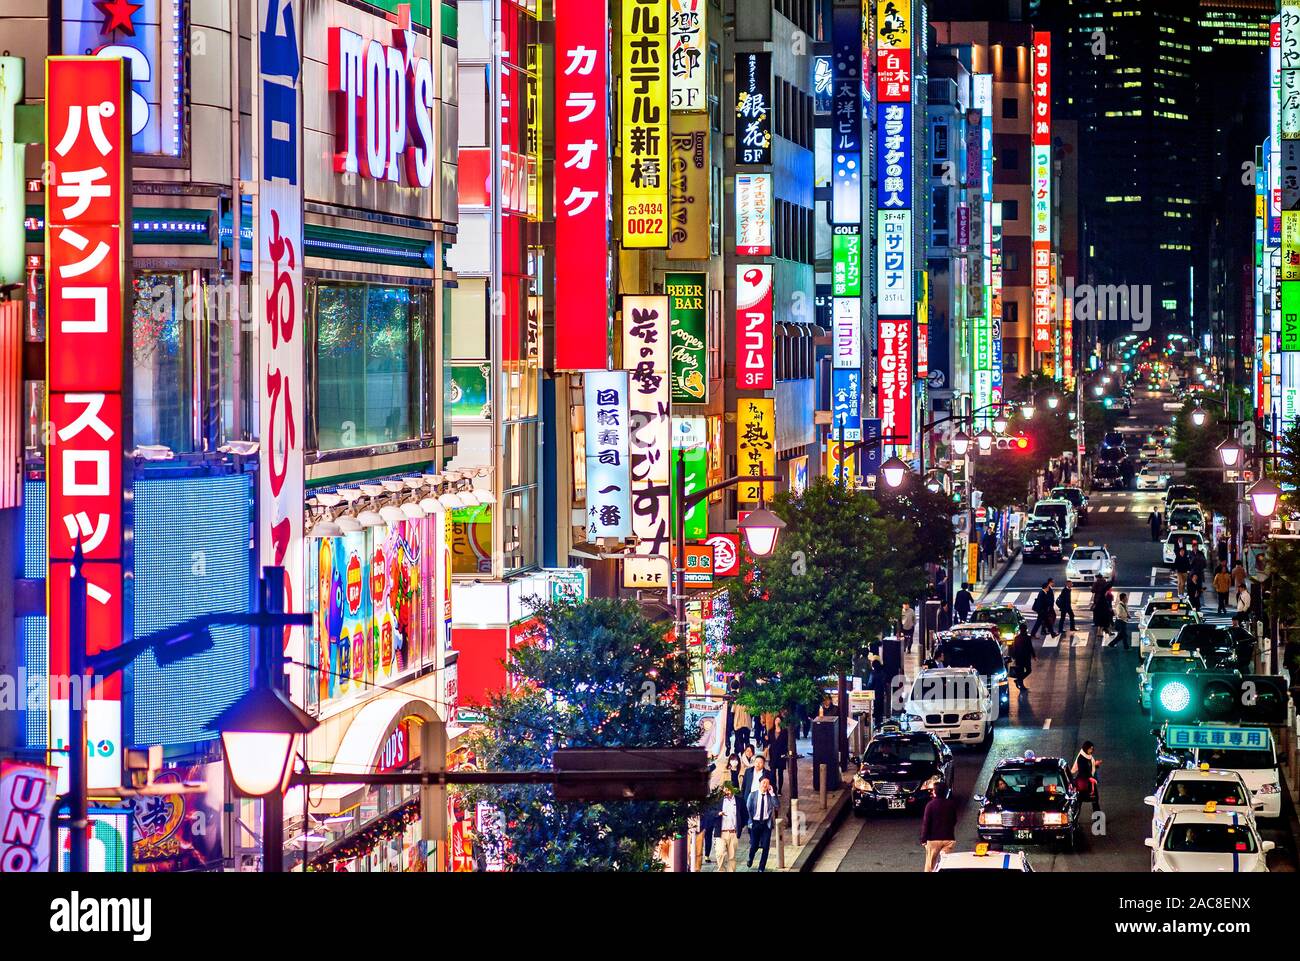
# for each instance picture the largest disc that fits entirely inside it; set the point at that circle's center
(1078, 691)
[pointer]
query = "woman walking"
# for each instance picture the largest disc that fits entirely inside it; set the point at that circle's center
(1084, 771)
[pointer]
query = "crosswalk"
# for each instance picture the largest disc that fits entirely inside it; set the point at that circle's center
(1023, 601)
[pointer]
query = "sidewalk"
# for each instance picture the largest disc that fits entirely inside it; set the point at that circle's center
(815, 829)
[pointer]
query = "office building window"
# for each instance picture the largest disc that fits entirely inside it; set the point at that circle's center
(1010, 108)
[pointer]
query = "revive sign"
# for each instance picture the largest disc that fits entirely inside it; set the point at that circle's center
(383, 107)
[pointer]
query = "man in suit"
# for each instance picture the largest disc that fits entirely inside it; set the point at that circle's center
(1045, 608)
(777, 751)
(755, 776)
(761, 805)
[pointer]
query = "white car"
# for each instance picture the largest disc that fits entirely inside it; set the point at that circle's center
(1152, 478)
(1191, 540)
(953, 703)
(1164, 660)
(1186, 791)
(1161, 628)
(982, 859)
(1257, 766)
(1166, 603)
(1087, 564)
(1060, 512)
(1209, 840)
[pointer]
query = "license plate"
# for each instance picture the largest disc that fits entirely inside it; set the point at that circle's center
(896, 804)
(1024, 835)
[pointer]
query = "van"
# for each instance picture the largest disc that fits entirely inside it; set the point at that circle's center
(1060, 512)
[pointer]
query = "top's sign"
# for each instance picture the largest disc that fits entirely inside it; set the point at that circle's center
(383, 108)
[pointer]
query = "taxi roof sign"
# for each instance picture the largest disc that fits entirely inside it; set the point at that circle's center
(981, 850)
(1211, 807)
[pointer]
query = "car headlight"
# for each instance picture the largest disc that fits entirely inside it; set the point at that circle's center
(1269, 789)
(973, 716)
(862, 784)
(1054, 819)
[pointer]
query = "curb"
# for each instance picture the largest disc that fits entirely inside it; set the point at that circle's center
(823, 833)
(998, 574)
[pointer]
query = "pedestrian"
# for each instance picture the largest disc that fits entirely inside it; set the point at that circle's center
(777, 753)
(761, 805)
(938, 824)
(1065, 603)
(1238, 579)
(907, 624)
(1156, 525)
(962, 605)
(734, 769)
(1196, 563)
(1181, 566)
(943, 621)
(878, 684)
(1195, 589)
(1122, 631)
(1084, 772)
(1022, 654)
(1099, 588)
(1103, 616)
(1222, 587)
(755, 776)
(742, 723)
(1243, 604)
(1044, 607)
(1223, 550)
(727, 828)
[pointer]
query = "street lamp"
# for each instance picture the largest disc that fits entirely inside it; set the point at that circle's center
(1000, 423)
(261, 733)
(1098, 390)
(985, 440)
(1027, 410)
(961, 443)
(1263, 496)
(1229, 453)
(893, 471)
(1198, 417)
(761, 529)
(1052, 401)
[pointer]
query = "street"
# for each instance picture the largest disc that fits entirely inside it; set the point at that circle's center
(1078, 691)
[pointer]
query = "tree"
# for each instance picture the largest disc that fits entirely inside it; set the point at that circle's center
(929, 515)
(1288, 466)
(839, 575)
(1003, 478)
(1195, 447)
(605, 676)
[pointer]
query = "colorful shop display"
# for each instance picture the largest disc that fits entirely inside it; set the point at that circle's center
(182, 831)
(382, 607)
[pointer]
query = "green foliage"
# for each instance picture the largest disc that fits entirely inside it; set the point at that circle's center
(1003, 478)
(930, 516)
(606, 676)
(1287, 471)
(841, 570)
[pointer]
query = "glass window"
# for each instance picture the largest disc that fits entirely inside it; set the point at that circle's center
(519, 535)
(163, 351)
(1010, 108)
(367, 365)
(469, 319)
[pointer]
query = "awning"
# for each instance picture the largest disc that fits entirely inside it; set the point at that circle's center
(362, 744)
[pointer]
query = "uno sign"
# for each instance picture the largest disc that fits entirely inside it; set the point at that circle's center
(383, 107)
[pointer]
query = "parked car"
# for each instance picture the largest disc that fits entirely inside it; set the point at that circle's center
(898, 768)
(1060, 512)
(1041, 541)
(1075, 496)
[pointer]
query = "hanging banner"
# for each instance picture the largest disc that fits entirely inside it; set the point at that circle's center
(894, 158)
(278, 236)
(645, 355)
(755, 447)
(609, 483)
(688, 36)
(894, 264)
(846, 116)
(754, 348)
(88, 478)
(689, 347)
(846, 262)
(754, 108)
(689, 190)
(643, 94)
(846, 404)
(695, 463)
(581, 185)
(26, 802)
(894, 379)
(754, 215)
(847, 321)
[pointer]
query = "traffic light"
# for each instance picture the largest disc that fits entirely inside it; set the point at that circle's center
(1018, 444)
(1218, 696)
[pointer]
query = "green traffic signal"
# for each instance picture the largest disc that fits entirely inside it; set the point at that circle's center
(1218, 696)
